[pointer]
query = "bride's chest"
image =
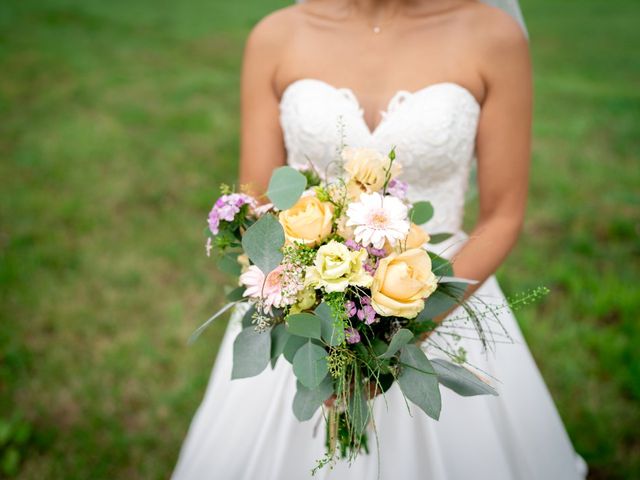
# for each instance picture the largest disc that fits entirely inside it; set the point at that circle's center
(432, 129)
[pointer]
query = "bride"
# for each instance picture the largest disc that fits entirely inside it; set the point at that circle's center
(447, 82)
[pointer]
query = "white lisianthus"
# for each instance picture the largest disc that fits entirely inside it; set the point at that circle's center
(336, 267)
(378, 219)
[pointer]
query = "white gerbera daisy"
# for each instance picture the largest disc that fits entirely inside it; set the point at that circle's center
(377, 219)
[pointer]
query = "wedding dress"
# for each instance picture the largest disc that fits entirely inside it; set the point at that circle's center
(245, 429)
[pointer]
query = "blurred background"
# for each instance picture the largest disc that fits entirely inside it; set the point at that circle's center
(117, 122)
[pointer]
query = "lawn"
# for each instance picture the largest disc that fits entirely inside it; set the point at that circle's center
(117, 121)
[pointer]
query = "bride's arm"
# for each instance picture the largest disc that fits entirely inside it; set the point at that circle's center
(261, 145)
(503, 152)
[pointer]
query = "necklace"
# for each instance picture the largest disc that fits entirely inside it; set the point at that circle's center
(377, 27)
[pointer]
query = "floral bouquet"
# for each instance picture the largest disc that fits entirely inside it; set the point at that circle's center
(339, 284)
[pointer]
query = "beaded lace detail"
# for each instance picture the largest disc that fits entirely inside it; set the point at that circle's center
(433, 130)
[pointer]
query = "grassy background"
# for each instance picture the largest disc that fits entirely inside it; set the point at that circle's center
(117, 121)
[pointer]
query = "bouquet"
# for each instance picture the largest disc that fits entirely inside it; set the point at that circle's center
(339, 283)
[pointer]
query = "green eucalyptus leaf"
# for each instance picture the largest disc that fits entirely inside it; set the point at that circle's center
(436, 304)
(251, 353)
(236, 294)
(399, 339)
(329, 333)
(310, 364)
(292, 346)
(194, 336)
(228, 263)
(247, 318)
(454, 289)
(307, 401)
(263, 242)
(418, 380)
(279, 338)
(357, 408)
(421, 212)
(441, 267)
(439, 238)
(460, 380)
(285, 187)
(304, 325)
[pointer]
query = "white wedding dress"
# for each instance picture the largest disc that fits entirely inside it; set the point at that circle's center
(245, 429)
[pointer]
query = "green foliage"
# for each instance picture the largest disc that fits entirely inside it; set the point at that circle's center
(330, 334)
(459, 379)
(399, 339)
(304, 325)
(251, 353)
(291, 347)
(307, 401)
(418, 380)
(263, 241)
(286, 187)
(421, 212)
(310, 364)
(299, 254)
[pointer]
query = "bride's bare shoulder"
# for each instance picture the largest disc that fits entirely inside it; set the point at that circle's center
(492, 29)
(276, 29)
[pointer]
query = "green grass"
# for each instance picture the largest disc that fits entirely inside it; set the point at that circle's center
(118, 120)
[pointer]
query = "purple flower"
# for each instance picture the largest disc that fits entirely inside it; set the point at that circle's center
(353, 245)
(370, 269)
(351, 308)
(214, 221)
(397, 188)
(367, 314)
(226, 208)
(352, 335)
(376, 252)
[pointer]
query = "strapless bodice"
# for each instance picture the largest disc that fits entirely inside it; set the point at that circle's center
(433, 130)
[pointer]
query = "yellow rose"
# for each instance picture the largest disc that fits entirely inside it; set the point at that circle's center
(309, 221)
(367, 170)
(336, 267)
(416, 238)
(402, 282)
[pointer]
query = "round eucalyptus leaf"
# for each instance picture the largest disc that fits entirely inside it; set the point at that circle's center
(418, 380)
(421, 212)
(310, 364)
(286, 187)
(251, 353)
(263, 242)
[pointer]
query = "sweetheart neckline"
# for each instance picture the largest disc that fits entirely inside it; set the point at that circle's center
(394, 97)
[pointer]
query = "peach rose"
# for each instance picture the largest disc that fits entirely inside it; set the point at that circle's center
(367, 170)
(402, 282)
(309, 221)
(416, 238)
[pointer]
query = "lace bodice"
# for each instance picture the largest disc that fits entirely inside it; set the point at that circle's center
(433, 130)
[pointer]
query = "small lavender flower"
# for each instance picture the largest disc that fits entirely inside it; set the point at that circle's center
(353, 245)
(352, 335)
(226, 208)
(352, 309)
(370, 269)
(367, 314)
(397, 188)
(376, 252)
